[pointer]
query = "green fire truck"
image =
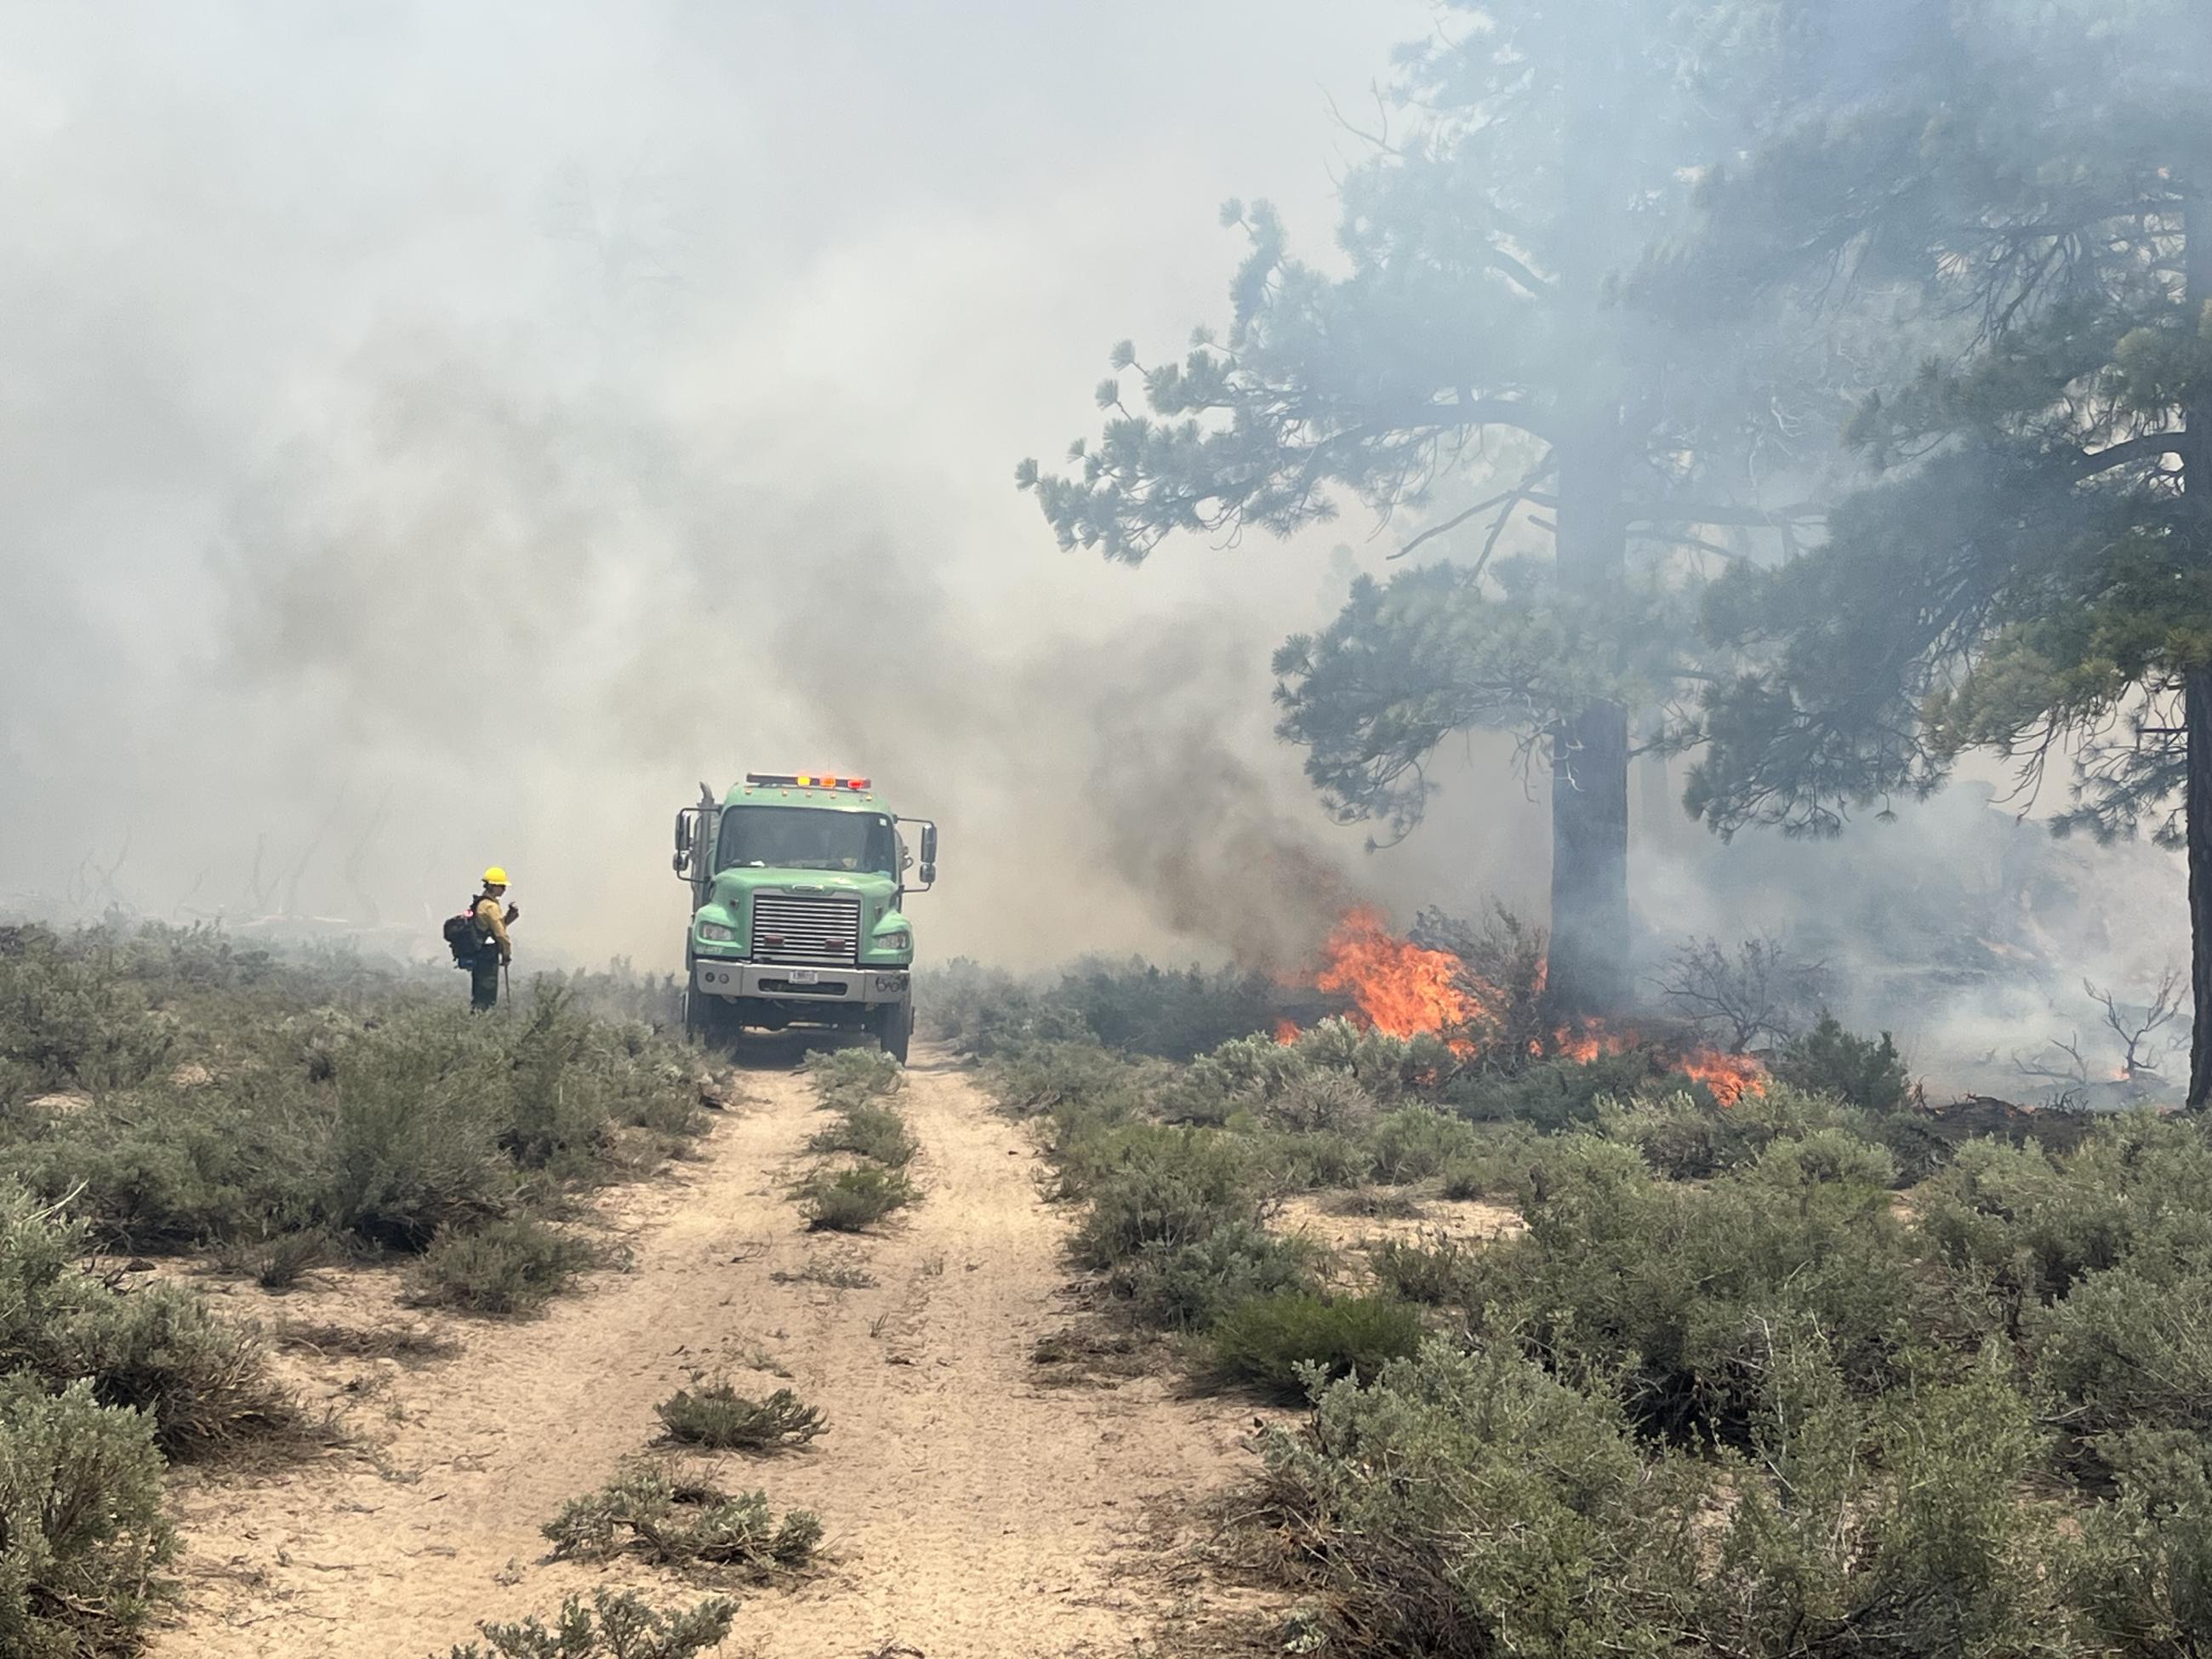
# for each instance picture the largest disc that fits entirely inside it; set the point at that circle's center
(797, 884)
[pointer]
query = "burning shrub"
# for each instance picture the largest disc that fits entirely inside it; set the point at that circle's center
(1279, 1343)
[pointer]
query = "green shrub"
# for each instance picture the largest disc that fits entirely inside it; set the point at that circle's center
(1897, 1527)
(1830, 1060)
(1415, 1142)
(1433, 1269)
(1138, 1008)
(1554, 1095)
(846, 1078)
(720, 1418)
(1668, 1287)
(1078, 1078)
(82, 1532)
(2028, 1222)
(201, 1383)
(1473, 1504)
(1189, 1285)
(501, 1269)
(377, 1127)
(682, 1521)
(1275, 1342)
(67, 1023)
(847, 1200)
(870, 1132)
(412, 1147)
(2129, 1348)
(2142, 1574)
(624, 1626)
(1166, 1187)
(1320, 1103)
(282, 1263)
(985, 1012)
(1311, 1161)
(1497, 1165)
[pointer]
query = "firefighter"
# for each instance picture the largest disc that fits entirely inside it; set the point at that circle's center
(493, 948)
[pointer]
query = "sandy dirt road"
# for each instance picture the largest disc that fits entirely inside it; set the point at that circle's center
(970, 1510)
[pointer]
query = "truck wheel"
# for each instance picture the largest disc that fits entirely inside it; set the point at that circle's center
(893, 1027)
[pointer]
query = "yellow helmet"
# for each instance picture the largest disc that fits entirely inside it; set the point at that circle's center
(495, 876)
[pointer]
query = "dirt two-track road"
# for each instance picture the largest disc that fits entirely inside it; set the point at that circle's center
(971, 1510)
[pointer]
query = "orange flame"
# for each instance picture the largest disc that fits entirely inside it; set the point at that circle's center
(1728, 1077)
(1287, 1032)
(1403, 990)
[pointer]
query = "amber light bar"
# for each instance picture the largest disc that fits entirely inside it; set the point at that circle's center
(805, 781)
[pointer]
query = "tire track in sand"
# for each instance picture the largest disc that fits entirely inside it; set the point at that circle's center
(970, 1513)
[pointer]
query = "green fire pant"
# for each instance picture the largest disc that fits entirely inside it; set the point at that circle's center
(483, 982)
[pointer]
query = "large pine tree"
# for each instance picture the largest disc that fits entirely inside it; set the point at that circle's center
(1480, 341)
(2031, 571)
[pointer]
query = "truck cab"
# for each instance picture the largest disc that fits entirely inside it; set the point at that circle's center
(798, 885)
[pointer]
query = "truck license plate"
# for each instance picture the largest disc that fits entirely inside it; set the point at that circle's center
(804, 977)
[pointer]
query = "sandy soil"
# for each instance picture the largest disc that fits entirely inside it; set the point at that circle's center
(970, 1511)
(1320, 1217)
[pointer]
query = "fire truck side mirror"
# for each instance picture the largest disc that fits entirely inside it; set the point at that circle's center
(928, 850)
(686, 830)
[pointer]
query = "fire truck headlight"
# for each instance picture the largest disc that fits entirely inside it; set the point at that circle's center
(716, 932)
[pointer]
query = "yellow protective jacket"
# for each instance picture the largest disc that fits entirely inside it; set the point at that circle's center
(491, 922)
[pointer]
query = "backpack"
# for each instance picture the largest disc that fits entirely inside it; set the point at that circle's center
(462, 938)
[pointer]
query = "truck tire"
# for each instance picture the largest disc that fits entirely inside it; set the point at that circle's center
(892, 1025)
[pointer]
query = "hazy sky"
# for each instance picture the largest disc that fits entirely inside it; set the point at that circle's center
(439, 435)
(442, 433)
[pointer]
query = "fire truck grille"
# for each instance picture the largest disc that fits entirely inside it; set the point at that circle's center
(807, 932)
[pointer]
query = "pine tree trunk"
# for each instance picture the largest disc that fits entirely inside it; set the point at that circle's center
(2196, 682)
(1590, 753)
(2196, 809)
